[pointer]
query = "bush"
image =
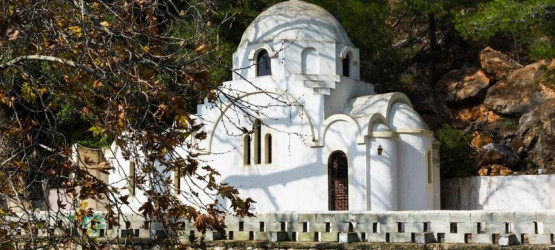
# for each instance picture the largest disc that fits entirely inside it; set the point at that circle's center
(455, 154)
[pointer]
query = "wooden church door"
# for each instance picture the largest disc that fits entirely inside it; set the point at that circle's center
(338, 181)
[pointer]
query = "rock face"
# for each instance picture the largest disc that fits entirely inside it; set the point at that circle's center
(497, 169)
(484, 171)
(463, 85)
(481, 140)
(497, 64)
(474, 114)
(508, 107)
(493, 153)
(494, 169)
(535, 137)
(520, 93)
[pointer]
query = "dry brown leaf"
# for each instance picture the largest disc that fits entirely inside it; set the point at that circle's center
(201, 48)
(97, 84)
(12, 34)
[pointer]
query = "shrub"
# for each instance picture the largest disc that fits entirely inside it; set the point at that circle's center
(455, 154)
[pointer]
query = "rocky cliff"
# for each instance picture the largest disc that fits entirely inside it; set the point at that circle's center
(507, 108)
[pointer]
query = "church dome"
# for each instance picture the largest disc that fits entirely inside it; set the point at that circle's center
(402, 116)
(295, 20)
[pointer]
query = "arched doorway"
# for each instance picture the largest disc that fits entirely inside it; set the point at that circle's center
(338, 181)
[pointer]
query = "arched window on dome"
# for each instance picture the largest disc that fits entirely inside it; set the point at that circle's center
(347, 65)
(263, 64)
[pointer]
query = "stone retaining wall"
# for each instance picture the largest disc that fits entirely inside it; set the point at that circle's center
(503, 228)
(416, 227)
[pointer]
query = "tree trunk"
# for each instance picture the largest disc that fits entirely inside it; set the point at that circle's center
(453, 35)
(433, 46)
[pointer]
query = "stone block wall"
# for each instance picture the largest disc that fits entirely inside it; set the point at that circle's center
(411, 226)
(488, 227)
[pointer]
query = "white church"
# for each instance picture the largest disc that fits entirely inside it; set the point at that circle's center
(297, 130)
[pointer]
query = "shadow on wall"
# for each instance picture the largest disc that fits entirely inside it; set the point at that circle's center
(522, 192)
(266, 181)
(253, 180)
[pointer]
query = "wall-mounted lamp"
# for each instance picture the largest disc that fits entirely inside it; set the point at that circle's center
(380, 149)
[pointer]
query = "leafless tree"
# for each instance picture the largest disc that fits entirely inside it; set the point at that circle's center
(123, 71)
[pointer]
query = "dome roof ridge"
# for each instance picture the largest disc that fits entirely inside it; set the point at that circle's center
(295, 20)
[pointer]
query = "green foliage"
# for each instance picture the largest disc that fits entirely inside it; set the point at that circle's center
(64, 114)
(504, 16)
(540, 49)
(424, 7)
(407, 79)
(94, 142)
(74, 127)
(548, 77)
(455, 152)
(221, 62)
(242, 12)
(528, 22)
(78, 131)
(375, 36)
(510, 123)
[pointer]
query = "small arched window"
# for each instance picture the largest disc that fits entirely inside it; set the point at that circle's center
(132, 178)
(263, 64)
(268, 147)
(247, 150)
(429, 168)
(177, 180)
(257, 141)
(310, 61)
(347, 66)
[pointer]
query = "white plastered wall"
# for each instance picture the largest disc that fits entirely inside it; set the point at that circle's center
(286, 58)
(414, 192)
(437, 175)
(383, 191)
(119, 178)
(341, 135)
(345, 90)
(513, 192)
(281, 185)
